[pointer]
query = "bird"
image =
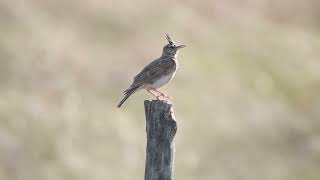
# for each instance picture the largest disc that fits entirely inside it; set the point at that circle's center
(157, 73)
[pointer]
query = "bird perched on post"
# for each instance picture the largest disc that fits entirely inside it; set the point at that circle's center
(157, 73)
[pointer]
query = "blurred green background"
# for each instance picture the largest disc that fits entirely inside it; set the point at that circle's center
(246, 95)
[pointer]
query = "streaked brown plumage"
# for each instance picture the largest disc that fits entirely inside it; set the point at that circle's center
(156, 74)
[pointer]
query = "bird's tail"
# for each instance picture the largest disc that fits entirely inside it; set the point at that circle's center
(127, 94)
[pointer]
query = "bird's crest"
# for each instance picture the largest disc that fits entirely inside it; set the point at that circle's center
(169, 39)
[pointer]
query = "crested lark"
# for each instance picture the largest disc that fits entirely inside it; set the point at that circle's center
(157, 73)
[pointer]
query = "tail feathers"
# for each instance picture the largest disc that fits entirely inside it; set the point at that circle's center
(127, 93)
(123, 100)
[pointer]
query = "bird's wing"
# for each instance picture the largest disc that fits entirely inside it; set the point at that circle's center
(153, 72)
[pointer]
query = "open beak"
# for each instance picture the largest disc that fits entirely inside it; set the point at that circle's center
(181, 46)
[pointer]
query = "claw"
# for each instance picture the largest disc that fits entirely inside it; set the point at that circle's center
(164, 96)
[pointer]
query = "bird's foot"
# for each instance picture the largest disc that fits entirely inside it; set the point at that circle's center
(164, 97)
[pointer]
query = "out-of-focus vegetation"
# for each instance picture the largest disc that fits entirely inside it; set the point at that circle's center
(246, 96)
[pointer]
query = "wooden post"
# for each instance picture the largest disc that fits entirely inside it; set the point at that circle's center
(161, 128)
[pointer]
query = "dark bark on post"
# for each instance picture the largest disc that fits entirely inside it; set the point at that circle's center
(161, 129)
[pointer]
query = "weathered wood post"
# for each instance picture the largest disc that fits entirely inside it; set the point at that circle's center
(161, 128)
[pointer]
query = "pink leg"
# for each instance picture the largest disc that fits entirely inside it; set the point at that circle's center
(149, 91)
(161, 93)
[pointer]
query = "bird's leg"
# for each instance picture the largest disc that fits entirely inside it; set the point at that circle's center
(161, 93)
(149, 91)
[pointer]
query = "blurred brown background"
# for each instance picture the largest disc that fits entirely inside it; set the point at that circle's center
(246, 96)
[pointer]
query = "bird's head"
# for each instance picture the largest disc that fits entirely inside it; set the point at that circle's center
(171, 49)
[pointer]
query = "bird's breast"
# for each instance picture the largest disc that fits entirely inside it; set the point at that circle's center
(163, 80)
